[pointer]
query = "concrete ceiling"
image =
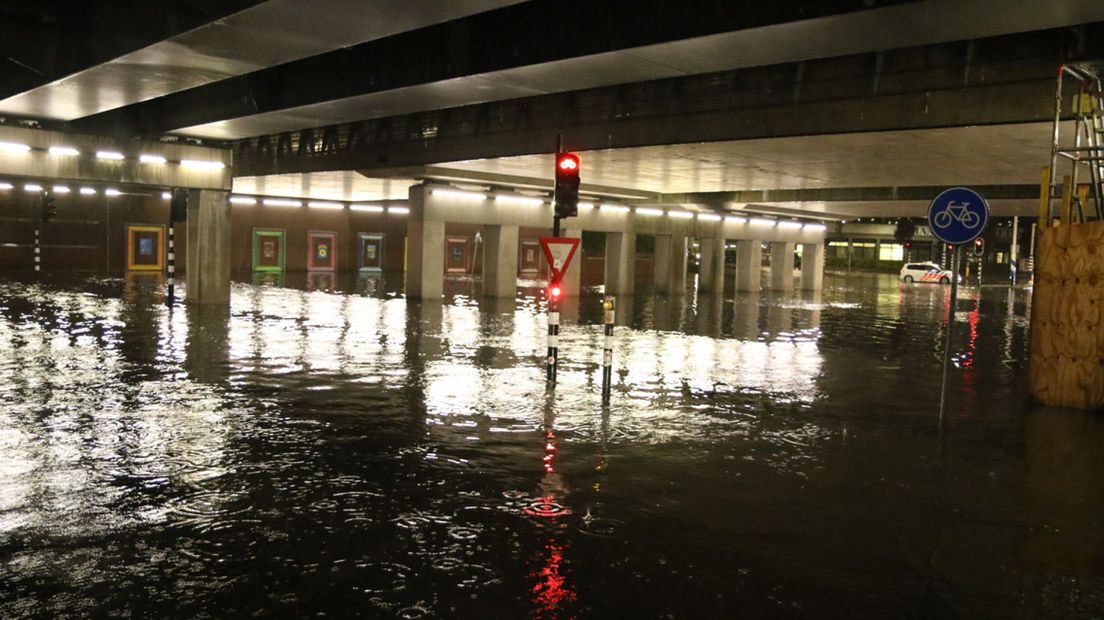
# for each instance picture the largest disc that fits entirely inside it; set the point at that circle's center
(985, 155)
(903, 25)
(269, 34)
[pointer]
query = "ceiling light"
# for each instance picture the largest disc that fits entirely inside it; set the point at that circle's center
(87, 191)
(458, 194)
(586, 205)
(736, 219)
(60, 189)
(680, 215)
(5, 185)
(151, 159)
(758, 221)
(198, 164)
(111, 191)
(32, 187)
(15, 147)
(166, 195)
(367, 208)
(115, 155)
(615, 208)
(520, 200)
(242, 200)
(816, 227)
(790, 225)
(325, 205)
(647, 211)
(709, 217)
(398, 210)
(64, 150)
(279, 202)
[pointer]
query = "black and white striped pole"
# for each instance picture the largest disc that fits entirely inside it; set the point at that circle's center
(178, 212)
(609, 306)
(38, 249)
(555, 291)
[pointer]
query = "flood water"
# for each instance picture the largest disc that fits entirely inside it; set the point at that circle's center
(329, 448)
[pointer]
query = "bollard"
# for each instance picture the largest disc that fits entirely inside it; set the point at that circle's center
(607, 347)
(38, 250)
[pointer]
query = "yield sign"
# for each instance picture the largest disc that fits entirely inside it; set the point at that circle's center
(559, 251)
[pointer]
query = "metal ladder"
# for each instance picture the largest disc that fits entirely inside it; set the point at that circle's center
(1067, 198)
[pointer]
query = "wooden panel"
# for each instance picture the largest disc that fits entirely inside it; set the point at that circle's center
(1067, 334)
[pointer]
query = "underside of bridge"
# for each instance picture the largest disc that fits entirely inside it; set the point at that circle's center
(838, 109)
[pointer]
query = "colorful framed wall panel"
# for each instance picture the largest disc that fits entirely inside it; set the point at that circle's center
(145, 248)
(269, 245)
(370, 252)
(321, 251)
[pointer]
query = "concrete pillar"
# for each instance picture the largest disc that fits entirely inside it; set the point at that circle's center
(812, 266)
(782, 265)
(620, 262)
(425, 250)
(677, 283)
(208, 257)
(500, 261)
(572, 281)
(661, 267)
(749, 265)
(711, 278)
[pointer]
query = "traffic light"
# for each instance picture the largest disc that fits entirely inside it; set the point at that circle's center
(567, 184)
(555, 290)
(178, 206)
(49, 208)
(979, 246)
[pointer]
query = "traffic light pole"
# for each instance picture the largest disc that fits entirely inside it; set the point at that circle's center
(553, 320)
(171, 259)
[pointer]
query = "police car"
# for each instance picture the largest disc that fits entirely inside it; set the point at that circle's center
(925, 272)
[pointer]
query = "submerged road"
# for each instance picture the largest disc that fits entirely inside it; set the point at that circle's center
(347, 452)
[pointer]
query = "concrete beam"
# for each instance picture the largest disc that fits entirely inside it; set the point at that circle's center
(500, 261)
(749, 265)
(782, 266)
(620, 263)
(37, 162)
(425, 250)
(679, 257)
(208, 256)
(812, 266)
(711, 276)
(661, 267)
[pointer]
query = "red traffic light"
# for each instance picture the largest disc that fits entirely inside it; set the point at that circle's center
(568, 162)
(555, 291)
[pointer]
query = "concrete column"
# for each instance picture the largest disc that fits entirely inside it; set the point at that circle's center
(208, 258)
(661, 267)
(711, 278)
(425, 250)
(677, 283)
(620, 262)
(812, 266)
(500, 261)
(572, 281)
(782, 265)
(749, 265)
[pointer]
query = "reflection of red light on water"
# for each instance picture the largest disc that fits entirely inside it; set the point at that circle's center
(546, 507)
(550, 591)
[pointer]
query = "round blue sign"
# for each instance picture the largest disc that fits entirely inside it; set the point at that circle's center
(958, 215)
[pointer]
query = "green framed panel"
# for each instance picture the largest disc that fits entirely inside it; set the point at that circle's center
(370, 253)
(269, 248)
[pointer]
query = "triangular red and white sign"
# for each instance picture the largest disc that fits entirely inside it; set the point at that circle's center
(559, 251)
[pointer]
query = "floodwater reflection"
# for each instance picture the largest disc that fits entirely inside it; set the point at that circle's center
(332, 448)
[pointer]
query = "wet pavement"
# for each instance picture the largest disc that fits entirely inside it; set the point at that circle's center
(327, 448)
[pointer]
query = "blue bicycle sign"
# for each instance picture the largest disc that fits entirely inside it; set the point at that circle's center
(958, 215)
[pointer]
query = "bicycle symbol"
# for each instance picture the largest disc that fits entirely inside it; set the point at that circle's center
(958, 213)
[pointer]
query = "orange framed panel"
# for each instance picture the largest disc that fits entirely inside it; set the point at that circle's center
(145, 248)
(321, 251)
(529, 258)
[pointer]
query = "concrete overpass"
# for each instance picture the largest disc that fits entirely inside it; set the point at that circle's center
(804, 109)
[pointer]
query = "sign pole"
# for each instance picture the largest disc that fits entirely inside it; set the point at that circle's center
(609, 306)
(1014, 260)
(950, 331)
(171, 259)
